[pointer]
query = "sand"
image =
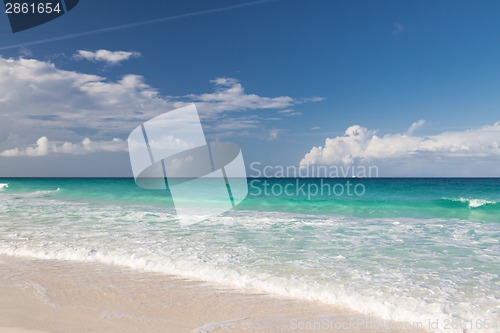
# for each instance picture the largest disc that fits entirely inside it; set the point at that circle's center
(17, 330)
(42, 296)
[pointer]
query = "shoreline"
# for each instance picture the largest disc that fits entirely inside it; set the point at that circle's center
(52, 296)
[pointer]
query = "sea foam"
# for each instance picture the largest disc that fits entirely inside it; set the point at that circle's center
(473, 203)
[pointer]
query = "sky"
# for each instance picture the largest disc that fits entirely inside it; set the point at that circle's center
(411, 87)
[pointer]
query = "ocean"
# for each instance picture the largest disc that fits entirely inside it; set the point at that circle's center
(410, 250)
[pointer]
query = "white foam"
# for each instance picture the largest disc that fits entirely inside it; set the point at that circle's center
(2, 186)
(475, 203)
(36, 194)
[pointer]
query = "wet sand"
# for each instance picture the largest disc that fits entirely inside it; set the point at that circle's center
(42, 296)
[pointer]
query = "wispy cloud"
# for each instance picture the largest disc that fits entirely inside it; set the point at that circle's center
(416, 125)
(109, 57)
(313, 99)
(25, 52)
(273, 134)
(289, 112)
(398, 29)
(238, 123)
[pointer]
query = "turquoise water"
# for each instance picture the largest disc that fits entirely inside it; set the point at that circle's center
(474, 199)
(405, 249)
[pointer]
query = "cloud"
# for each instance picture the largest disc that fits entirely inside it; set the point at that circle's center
(38, 99)
(398, 29)
(360, 144)
(69, 104)
(44, 147)
(25, 52)
(40, 149)
(273, 134)
(416, 125)
(313, 99)
(168, 142)
(229, 95)
(109, 57)
(240, 123)
(179, 163)
(289, 112)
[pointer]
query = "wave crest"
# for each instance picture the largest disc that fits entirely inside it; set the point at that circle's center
(36, 194)
(473, 203)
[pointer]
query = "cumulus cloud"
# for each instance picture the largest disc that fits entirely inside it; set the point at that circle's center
(360, 144)
(109, 57)
(35, 94)
(44, 147)
(41, 148)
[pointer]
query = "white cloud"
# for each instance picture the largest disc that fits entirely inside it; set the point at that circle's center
(273, 134)
(313, 99)
(363, 145)
(289, 112)
(229, 95)
(38, 99)
(240, 123)
(169, 142)
(25, 52)
(179, 163)
(36, 89)
(40, 149)
(109, 57)
(44, 147)
(416, 125)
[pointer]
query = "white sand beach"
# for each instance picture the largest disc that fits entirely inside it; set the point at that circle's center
(42, 296)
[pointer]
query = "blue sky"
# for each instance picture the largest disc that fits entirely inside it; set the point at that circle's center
(310, 71)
